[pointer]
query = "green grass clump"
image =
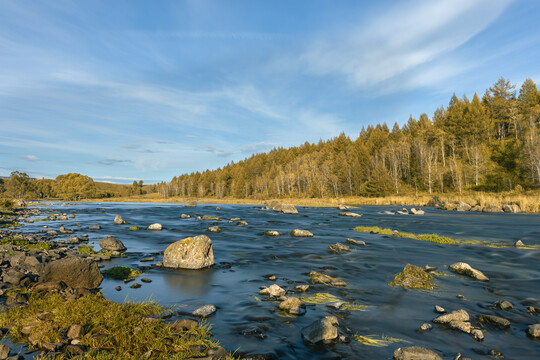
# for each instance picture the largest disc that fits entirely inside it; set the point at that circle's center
(26, 244)
(134, 228)
(85, 250)
(121, 272)
(434, 238)
(122, 329)
(10, 224)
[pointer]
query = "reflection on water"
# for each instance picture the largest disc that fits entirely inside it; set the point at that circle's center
(246, 322)
(191, 283)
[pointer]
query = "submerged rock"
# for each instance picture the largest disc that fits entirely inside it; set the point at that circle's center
(415, 353)
(466, 269)
(321, 330)
(189, 253)
(498, 321)
(111, 243)
(355, 242)
(119, 221)
(425, 327)
(318, 278)
(339, 247)
(477, 334)
(185, 216)
(504, 305)
(301, 233)
(413, 277)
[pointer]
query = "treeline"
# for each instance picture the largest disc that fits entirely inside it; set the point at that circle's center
(490, 143)
(71, 186)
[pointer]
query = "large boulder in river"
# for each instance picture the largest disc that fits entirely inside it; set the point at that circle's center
(119, 221)
(73, 271)
(111, 243)
(321, 330)
(189, 253)
(349, 214)
(415, 353)
(283, 208)
(466, 269)
(154, 227)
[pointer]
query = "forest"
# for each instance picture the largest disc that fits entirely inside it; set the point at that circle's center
(487, 144)
(483, 144)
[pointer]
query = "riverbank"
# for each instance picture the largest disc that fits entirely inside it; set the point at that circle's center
(528, 201)
(51, 306)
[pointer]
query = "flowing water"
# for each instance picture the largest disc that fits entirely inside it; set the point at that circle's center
(246, 322)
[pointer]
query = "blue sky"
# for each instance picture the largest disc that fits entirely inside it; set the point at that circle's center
(146, 90)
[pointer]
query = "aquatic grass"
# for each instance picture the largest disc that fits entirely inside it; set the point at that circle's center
(354, 307)
(113, 330)
(376, 341)
(437, 239)
(121, 272)
(26, 244)
(320, 298)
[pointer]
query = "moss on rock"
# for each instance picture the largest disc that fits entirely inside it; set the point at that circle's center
(413, 277)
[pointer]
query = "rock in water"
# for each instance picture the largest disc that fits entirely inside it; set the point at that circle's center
(466, 269)
(190, 253)
(321, 330)
(288, 209)
(414, 211)
(111, 243)
(534, 331)
(415, 353)
(350, 214)
(119, 221)
(339, 247)
(211, 218)
(492, 209)
(191, 204)
(413, 277)
(155, 226)
(273, 290)
(204, 311)
(4, 351)
(318, 278)
(463, 206)
(292, 305)
(519, 243)
(271, 233)
(301, 233)
(74, 271)
(458, 315)
(214, 229)
(342, 207)
(355, 242)
(495, 321)
(185, 216)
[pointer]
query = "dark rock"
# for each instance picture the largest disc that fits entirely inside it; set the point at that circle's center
(146, 280)
(415, 353)
(135, 286)
(17, 298)
(118, 288)
(111, 243)
(495, 321)
(339, 247)
(74, 271)
(324, 329)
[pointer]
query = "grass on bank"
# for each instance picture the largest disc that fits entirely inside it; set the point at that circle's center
(113, 330)
(434, 238)
(26, 244)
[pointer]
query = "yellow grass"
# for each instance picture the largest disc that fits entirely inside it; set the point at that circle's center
(528, 201)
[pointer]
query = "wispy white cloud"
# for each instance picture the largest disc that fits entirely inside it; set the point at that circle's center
(29, 157)
(408, 36)
(113, 161)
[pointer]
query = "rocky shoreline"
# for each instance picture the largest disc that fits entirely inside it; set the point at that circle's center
(38, 271)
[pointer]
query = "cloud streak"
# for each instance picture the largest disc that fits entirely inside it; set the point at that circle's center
(400, 41)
